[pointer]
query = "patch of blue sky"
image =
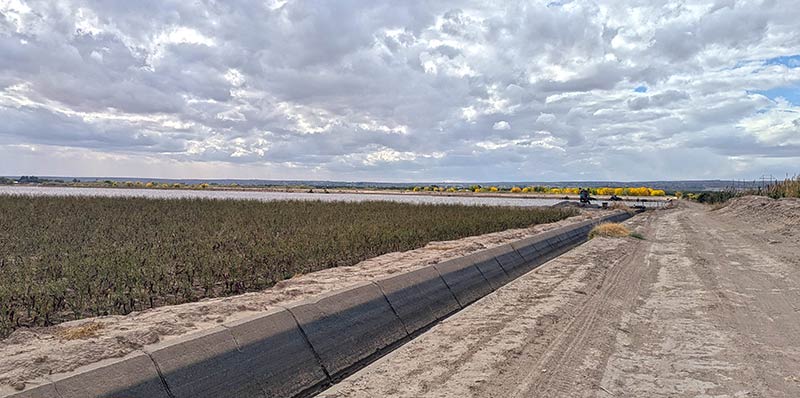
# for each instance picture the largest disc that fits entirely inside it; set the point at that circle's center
(791, 61)
(740, 64)
(757, 65)
(640, 89)
(789, 93)
(559, 3)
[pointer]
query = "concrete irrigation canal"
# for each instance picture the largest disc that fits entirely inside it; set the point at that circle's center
(706, 304)
(298, 349)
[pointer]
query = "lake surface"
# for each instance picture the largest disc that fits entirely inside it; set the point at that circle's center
(271, 196)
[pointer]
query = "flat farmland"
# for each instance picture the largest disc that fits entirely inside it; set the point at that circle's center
(65, 258)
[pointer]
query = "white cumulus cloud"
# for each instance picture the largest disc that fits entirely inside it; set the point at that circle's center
(394, 91)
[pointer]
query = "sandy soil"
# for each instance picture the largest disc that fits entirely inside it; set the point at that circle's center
(707, 306)
(30, 353)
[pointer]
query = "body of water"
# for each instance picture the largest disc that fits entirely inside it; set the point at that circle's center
(270, 196)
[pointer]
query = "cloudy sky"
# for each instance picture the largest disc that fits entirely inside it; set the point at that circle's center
(400, 91)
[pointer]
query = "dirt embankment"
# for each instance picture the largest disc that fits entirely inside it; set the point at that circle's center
(30, 353)
(781, 215)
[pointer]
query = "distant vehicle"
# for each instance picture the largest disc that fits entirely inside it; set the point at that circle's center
(584, 196)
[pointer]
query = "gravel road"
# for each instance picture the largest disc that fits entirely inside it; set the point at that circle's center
(707, 305)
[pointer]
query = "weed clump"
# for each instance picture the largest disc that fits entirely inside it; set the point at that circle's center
(610, 230)
(85, 331)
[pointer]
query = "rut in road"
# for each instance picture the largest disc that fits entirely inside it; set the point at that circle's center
(674, 345)
(577, 354)
(467, 354)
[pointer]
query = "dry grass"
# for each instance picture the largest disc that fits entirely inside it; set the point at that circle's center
(789, 188)
(85, 331)
(611, 230)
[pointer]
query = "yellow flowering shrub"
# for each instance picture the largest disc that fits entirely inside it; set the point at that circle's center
(605, 191)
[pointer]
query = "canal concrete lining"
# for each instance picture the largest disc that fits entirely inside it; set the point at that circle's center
(490, 268)
(133, 376)
(464, 279)
(419, 297)
(348, 326)
(296, 350)
(511, 261)
(191, 365)
(257, 367)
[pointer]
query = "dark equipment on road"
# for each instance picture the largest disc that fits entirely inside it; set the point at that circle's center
(584, 196)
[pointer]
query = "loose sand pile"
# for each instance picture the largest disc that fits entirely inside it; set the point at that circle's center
(30, 353)
(776, 215)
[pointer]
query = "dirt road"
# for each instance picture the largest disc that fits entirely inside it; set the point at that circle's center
(707, 305)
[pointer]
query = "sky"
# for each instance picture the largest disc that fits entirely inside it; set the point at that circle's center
(400, 91)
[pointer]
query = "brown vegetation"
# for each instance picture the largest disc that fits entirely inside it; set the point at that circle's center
(611, 230)
(85, 331)
(64, 258)
(788, 188)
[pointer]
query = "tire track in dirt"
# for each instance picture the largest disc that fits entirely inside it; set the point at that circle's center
(588, 337)
(484, 350)
(675, 346)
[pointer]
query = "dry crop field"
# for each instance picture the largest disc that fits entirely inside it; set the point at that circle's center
(64, 258)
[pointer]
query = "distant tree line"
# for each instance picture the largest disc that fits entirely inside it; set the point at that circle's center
(29, 180)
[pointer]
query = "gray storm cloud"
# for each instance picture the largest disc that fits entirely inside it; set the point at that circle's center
(400, 91)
